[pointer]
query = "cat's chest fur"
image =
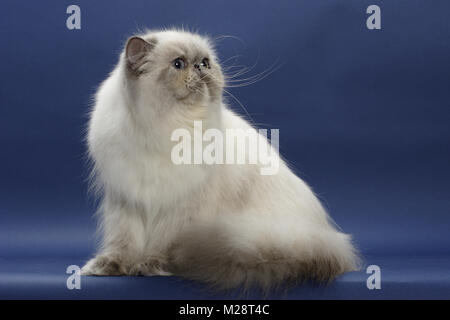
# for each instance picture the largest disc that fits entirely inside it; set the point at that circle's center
(151, 178)
(139, 173)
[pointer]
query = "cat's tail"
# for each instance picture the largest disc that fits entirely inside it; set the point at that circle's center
(261, 251)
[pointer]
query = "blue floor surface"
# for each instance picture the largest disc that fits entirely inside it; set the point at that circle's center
(415, 277)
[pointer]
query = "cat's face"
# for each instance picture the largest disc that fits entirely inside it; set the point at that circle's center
(174, 65)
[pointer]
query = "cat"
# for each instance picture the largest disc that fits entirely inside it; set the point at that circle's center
(225, 225)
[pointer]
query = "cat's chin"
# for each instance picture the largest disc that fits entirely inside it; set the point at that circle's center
(192, 97)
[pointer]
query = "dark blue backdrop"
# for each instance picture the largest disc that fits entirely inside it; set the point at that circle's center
(363, 116)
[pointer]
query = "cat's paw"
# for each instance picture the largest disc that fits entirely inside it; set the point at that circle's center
(103, 266)
(149, 268)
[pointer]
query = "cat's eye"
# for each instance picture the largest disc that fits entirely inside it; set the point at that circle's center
(205, 63)
(179, 63)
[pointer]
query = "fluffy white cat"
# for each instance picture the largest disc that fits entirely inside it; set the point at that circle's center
(226, 225)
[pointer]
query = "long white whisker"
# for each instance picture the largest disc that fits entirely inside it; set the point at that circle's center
(240, 103)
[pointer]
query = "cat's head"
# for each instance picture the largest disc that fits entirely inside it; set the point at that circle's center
(173, 65)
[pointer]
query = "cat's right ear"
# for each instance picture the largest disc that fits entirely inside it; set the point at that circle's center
(136, 52)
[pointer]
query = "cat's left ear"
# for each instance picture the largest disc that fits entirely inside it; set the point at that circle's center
(136, 51)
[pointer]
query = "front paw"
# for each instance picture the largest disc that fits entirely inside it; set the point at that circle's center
(149, 268)
(103, 266)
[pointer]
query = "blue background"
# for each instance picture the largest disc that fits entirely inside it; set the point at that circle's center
(364, 117)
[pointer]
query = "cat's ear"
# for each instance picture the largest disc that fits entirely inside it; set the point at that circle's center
(136, 51)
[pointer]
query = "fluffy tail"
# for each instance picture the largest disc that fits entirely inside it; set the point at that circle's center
(260, 251)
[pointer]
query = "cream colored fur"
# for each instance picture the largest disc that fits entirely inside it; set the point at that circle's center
(226, 225)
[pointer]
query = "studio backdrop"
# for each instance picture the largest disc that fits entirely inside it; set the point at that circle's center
(362, 104)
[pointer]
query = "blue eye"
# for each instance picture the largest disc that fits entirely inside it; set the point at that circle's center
(179, 63)
(205, 63)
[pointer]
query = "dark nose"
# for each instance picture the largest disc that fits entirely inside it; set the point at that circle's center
(197, 66)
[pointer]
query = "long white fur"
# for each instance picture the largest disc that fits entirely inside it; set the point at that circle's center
(160, 218)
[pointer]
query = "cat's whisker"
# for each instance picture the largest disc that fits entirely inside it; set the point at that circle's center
(239, 102)
(236, 83)
(227, 36)
(230, 58)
